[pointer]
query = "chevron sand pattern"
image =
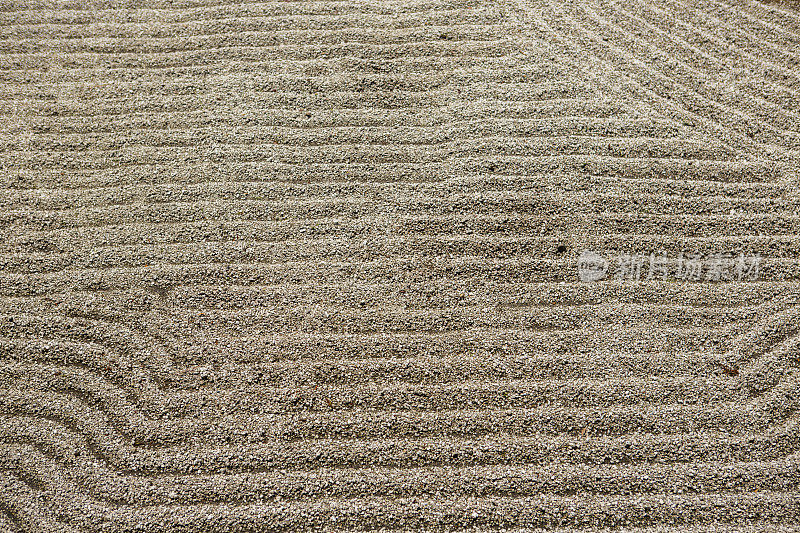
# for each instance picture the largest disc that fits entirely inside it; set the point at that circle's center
(319, 265)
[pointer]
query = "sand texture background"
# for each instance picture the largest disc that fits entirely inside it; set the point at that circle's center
(312, 265)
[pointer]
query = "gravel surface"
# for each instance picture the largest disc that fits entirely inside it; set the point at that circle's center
(324, 265)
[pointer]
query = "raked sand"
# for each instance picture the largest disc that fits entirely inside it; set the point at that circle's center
(316, 265)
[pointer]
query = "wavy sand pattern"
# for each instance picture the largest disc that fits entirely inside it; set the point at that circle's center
(313, 265)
